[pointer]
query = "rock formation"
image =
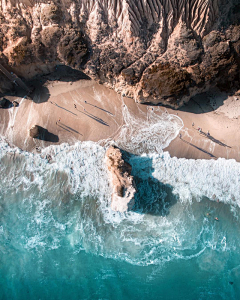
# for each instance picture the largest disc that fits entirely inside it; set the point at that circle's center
(5, 103)
(121, 180)
(157, 51)
(36, 131)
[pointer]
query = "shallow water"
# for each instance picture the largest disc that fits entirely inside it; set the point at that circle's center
(59, 239)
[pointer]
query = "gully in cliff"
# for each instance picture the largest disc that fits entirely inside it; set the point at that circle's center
(121, 179)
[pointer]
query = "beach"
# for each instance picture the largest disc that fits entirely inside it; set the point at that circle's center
(179, 239)
(84, 110)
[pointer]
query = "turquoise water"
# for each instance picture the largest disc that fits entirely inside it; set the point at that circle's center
(60, 240)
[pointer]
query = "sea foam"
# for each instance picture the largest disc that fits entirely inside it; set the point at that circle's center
(66, 199)
(69, 197)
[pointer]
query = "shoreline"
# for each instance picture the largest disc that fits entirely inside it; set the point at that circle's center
(87, 111)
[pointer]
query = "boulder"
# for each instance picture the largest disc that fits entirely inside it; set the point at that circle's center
(15, 103)
(36, 131)
(5, 103)
(121, 180)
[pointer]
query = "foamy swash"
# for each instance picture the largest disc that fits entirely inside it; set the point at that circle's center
(69, 199)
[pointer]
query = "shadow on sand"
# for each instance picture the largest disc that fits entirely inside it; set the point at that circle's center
(214, 140)
(39, 92)
(67, 128)
(59, 106)
(88, 114)
(198, 148)
(108, 112)
(205, 102)
(47, 136)
(61, 73)
(152, 197)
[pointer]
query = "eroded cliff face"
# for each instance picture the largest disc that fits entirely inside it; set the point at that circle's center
(157, 51)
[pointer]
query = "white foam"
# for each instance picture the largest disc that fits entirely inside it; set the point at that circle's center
(79, 172)
(215, 179)
(149, 132)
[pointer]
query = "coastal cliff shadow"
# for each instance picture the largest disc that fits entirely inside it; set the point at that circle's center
(152, 197)
(40, 94)
(205, 102)
(38, 90)
(65, 74)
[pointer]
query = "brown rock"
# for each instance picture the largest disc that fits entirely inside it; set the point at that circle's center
(35, 131)
(121, 179)
(118, 42)
(15, 103)
(165, 83)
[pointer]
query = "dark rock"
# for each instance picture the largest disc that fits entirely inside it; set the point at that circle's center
(73, 48)
(5, 103)
(163, 81)
(35, 131)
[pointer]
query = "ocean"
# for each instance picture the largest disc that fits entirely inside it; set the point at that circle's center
(59, 239)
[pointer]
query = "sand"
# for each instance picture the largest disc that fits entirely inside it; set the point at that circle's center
(86, 111)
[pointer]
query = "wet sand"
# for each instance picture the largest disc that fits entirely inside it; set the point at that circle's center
(86, 111)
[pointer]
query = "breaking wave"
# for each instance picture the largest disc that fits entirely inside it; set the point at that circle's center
(67, 201)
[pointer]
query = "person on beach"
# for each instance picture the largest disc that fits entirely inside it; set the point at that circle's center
(192, 124)
(208, 133)
(75, 106)
(180, 135)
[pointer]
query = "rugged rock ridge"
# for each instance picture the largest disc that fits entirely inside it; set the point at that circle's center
(121, 180)
(160, 51)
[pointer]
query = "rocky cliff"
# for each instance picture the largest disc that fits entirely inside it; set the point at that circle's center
(159, 51)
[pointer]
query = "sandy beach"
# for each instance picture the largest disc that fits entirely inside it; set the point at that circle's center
(86, 111)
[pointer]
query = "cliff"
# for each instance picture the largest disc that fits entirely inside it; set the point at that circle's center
(157, 51)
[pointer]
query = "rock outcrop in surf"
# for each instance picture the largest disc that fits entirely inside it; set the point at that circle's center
(121, 180)
(157, 51)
